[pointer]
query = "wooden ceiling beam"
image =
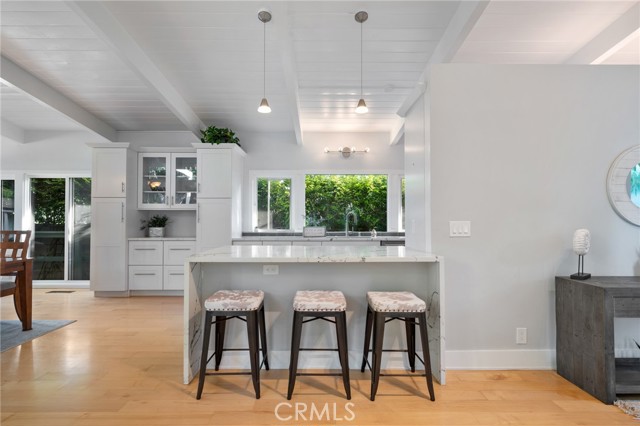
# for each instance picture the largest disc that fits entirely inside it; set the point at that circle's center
(109, 30)
(16, 76)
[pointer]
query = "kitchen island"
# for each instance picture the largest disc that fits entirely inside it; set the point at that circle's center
(282, 270)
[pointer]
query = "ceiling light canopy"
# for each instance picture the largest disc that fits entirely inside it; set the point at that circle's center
(361, 17)
(264, 17)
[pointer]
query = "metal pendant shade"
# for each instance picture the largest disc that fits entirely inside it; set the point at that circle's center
(264, 17)
(361, 17)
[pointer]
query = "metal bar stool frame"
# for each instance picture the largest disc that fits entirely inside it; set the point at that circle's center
(375, 322)
(256, 329)
(340, 321)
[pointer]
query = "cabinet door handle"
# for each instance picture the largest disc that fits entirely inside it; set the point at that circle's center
(173, 200)
(198, 213)
(143, 249)
(143, 273)
(198, 187)
(122, 212)
(177, 249)
(123, 187)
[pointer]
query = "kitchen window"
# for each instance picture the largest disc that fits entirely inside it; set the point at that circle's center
(329, 198)
(273, 203)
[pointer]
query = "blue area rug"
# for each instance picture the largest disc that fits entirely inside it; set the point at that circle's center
(11, 334)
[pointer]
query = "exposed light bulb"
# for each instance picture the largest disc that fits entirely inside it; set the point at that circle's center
(264, 106)
(362, 107)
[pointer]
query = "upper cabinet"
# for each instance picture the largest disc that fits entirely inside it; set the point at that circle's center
(109, 172)
(167, 181)
(221, 168)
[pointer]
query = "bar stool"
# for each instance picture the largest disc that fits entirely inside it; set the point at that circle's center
(396, 305)
(319, 305)
(225, 305)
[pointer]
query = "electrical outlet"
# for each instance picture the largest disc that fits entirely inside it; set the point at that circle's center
(521, 336)
(270, 270)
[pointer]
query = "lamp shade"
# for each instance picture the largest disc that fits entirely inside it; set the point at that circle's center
(362, 107)
(581, 241)
(264, 106)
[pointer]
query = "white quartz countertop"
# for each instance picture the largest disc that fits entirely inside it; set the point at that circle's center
(162, 239)
(326, 238)
(313, 254)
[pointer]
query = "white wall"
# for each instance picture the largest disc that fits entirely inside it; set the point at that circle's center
(417, 175)
(279, 151)
(523, 152)
(47, 152)
(61, 151)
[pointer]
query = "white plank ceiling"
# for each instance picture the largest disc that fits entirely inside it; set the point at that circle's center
(211, 54)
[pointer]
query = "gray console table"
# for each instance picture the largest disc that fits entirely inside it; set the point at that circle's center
(584, 334)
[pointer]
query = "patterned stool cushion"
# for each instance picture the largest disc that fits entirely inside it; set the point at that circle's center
(319, 300)
(395, 301)
(234, 300)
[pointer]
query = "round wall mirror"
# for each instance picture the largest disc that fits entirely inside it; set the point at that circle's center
(633, 185)
(623, 185)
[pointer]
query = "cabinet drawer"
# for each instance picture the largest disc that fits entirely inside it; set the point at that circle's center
(176, 251)
(173, 278)
(145, 253)
(145, 277)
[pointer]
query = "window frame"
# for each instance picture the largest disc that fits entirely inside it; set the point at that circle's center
(297, 213)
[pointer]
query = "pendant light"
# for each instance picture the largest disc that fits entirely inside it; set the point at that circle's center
(264, 17)
(361, 17)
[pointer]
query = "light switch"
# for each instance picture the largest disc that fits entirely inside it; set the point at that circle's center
(459, 228)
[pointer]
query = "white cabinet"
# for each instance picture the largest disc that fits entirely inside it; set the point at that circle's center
(216, 167)
(113, 216)
(108, 250)
(167, 181)
(213, 223)
(109, 172)
(219, 212)
(158, 264)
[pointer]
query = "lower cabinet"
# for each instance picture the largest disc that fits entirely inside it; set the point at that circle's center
(158, 264)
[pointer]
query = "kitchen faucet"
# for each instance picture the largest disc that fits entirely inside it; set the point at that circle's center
(349, 212)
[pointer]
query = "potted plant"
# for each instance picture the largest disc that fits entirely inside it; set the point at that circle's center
(218, 135)
(156, 225)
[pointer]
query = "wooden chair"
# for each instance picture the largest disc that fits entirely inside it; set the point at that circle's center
(14, 245)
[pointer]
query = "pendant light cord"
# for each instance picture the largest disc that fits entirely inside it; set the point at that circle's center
(264, 60)
(361, 59)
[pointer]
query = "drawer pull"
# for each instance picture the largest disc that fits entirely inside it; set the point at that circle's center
(175, 273)
(143, 273)
(144, 249)
(180, 249)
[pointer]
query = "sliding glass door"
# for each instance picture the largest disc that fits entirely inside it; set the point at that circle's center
(61, 217)
(8, 204)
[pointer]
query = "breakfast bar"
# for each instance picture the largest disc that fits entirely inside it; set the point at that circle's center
(280, 271)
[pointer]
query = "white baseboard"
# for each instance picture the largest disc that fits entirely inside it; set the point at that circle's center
(61, 284)
(508, 359)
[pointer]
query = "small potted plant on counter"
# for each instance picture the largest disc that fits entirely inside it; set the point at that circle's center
(156, 225)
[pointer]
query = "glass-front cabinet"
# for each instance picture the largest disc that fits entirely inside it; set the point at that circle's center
(167, 181)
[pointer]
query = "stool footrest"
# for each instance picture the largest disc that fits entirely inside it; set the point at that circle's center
(403, 375)
(319, 374)
(318, 349)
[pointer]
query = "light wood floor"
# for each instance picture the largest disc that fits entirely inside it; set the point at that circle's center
(121, 364)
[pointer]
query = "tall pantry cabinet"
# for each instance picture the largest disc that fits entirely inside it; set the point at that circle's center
(114, 216)
(219, 208)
